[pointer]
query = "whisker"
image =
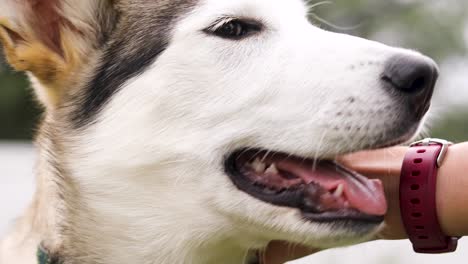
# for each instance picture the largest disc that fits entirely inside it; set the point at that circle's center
(291, 248)
(317, 151)
(288, 155)
(266, 155)
(321, 3)
(243, 152)
(332, 25)
(262, 256)
(174, 162)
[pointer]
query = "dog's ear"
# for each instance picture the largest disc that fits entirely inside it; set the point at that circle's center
(53, 39)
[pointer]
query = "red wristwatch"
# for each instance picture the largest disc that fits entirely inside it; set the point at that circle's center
(418, 197)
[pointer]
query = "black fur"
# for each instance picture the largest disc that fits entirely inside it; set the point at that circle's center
(141, 35)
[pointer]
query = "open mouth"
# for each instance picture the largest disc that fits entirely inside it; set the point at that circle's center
(323, 191)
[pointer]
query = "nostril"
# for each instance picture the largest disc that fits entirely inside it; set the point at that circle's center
(418, 84)
(410, 74)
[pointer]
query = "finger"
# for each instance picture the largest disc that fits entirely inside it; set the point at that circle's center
(376, 162)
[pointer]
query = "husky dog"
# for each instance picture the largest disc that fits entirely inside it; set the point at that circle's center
(197, 131)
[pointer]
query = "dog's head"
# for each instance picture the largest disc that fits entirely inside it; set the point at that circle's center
(215, 118)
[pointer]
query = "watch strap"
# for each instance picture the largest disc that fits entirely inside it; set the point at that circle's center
(418, 197)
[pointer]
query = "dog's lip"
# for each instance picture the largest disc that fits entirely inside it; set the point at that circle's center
(363, 199)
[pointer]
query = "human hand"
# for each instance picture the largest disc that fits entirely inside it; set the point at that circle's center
(452, 185)
(385, 164)
(382, 164)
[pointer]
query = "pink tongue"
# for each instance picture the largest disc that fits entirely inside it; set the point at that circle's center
(362, 194)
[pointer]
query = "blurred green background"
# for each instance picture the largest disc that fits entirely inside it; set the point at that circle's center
(434, 27)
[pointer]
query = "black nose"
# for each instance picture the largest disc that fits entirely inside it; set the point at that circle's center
(412, 79)
(411, 74)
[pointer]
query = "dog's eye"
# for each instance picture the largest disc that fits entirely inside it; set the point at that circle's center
(234, 28)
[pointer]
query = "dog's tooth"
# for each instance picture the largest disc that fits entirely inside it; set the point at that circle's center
(258, 166)
(272, 169)
(338, 191)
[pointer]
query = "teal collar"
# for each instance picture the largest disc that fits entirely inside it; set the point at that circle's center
(43, 257)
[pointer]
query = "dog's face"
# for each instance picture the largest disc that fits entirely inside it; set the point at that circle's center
(220, 133)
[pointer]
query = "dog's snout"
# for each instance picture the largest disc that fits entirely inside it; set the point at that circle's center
(411, 74)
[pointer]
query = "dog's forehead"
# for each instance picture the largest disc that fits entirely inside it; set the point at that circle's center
(140, 36)
(144, 32)
(152, 13)
(263, 9)
(157, 4)
(152, 8)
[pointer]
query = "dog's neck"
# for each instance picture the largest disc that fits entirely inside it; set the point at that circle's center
(114, 220)
(88, 236)
(224, 252)
(172, 236)
(88, 210)
(40, 222)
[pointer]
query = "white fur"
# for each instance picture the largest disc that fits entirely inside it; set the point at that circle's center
(150, 170)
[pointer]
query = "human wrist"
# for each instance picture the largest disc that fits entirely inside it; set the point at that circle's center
(452, 188)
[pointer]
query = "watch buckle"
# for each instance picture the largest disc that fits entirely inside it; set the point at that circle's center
(442, 142)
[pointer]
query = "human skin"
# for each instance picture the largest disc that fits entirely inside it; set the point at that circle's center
(385, 164)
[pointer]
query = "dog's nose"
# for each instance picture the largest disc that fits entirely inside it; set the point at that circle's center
(410, 74)
(413, 78)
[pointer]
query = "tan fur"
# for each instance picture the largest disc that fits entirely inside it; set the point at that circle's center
(52, 75)
(53, 69)
(41, 219)
(32, 56)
